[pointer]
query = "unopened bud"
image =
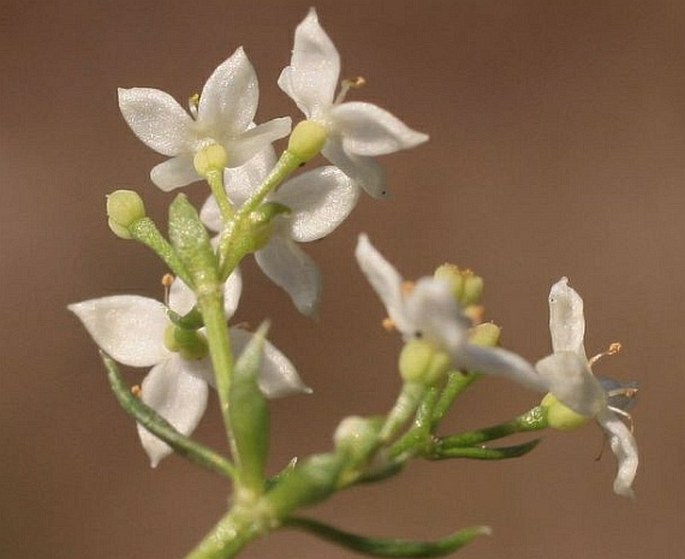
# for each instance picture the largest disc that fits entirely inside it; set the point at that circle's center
(422, 362)
(357, 434)
(210, 158)
(467, 287)
(486, 334)
(307, 140)
(124, 208)
(560, 416)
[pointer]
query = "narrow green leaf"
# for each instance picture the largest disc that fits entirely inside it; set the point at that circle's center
(161, 428)
(379, 547)
(442, 452)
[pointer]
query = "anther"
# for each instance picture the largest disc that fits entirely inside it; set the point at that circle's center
(614, 348)
(407, 288)
(346, 85)
(167, 280)
(388, 324)
(193, 103)
(136, 390)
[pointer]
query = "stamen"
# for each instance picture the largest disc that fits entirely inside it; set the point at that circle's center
(614, 348)
(346, 85)
(136, 390)
(193, 103)
(388, 324)
(167, 280)
(476, 313)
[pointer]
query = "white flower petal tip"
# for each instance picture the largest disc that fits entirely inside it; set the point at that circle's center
(566, 318)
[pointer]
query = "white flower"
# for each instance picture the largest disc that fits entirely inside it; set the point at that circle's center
(357, 132)
(568, 376)
(430, 312)
(131, 329)
(319, 201)
(224, 116)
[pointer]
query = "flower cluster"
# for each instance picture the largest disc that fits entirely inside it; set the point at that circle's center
(257, 207)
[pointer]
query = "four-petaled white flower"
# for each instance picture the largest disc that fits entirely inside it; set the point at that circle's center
(568, 376)
(430, 312)
(357, 131)
(131, 329)
(224, 116)
(319, 201)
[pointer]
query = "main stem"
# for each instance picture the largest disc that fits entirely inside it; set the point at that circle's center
(211, 306)
(228, 537)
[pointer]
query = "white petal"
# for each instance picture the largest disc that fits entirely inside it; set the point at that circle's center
(210, 215)
(566, 320)
(362, 170)
(320, 200)
(624, 447)
(127, 327)
(568, 377)
(174, 173)
(312, 76)
(181, 297)
(291, 269)
(370, 131)
(244, 147)
(242, 182)
(229, 99)
(179, 397)
(232, 290)
(431, 309)
(385, 280)
(500, 362)
(277, 375)
(157, 119)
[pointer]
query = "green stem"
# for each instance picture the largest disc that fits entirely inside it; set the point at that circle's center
(533, 420)
(404, 408)
(215, 179)
(161, 428)
(457, 382)
(212, 308)
(285, 165)
(228, 537)
(440, 452)
(145, 231)
(421, 430)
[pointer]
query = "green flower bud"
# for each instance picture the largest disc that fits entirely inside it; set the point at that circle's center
(467, 287)
(358, 435)
(210, 158)
(485, 335)
(421, 362)
(124, 208)
(560, 416)
(307, 140)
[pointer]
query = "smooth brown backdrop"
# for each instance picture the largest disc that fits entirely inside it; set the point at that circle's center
(557, 148)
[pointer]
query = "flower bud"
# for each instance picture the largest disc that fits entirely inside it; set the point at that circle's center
(357, 435)
(124, 208)
(467, 287)
(485, 335)
(307, 140)
(421, 362)
(561, 417)
(211, 158)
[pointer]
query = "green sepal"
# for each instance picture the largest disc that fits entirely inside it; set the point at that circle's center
(249, 414)
(381, 547)
(192, 244)
(160, 427)
(442, 452)
(309, 482)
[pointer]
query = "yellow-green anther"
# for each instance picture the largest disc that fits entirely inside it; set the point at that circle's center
(467, 287)
(124, 208)
(209, 159)
(486, 334)
(421, 362)
(560, 416)
(307, 140)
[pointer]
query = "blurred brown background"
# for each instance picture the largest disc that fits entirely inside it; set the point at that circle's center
(557, 148)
